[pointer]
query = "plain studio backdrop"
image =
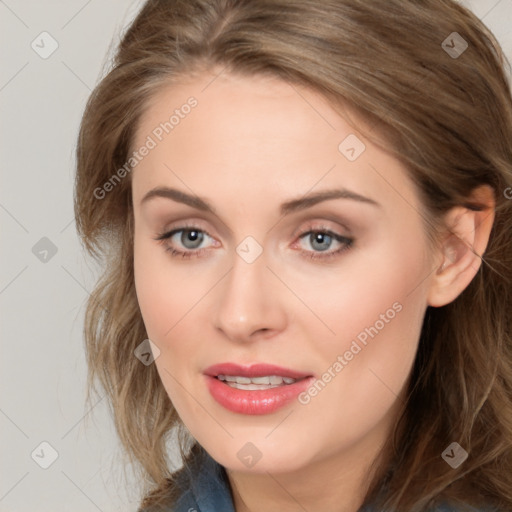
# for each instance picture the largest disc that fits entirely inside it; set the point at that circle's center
(57, 455)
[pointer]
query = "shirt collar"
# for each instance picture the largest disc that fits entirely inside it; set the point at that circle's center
(209, 489)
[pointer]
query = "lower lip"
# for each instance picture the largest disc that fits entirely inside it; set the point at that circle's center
(263, 401)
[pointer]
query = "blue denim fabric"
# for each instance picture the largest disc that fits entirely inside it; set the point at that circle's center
(207, 490)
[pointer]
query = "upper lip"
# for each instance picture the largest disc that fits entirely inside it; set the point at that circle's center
(253, 370)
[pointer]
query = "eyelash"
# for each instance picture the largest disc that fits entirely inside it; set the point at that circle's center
(312, 255)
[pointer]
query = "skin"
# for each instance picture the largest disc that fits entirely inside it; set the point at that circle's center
(250, 145)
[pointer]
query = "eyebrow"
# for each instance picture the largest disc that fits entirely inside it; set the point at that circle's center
(288, 207)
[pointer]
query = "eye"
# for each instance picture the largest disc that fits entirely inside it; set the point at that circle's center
(189, 237)
(321, 239)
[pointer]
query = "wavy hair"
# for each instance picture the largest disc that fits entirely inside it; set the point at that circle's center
(447, 117)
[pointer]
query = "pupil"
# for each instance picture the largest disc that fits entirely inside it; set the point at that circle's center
(322, 237)
(191, 236)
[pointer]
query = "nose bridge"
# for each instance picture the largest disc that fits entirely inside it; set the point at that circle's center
(248, 302)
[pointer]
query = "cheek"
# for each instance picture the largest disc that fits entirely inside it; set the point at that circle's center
(377, 315)
(166, 291)
(164, 299)
(375, 309)
(150, 287)
(369, 375)
(352, 296)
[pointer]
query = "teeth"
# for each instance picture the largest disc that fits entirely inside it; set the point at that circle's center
(264, 380)
(242, 380)
(254, 383)
(250, 387)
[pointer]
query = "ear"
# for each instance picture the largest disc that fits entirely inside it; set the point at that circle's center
(462, 248)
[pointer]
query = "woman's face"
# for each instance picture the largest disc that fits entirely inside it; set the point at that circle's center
(331, 291)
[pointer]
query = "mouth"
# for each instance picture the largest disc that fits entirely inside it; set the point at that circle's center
(261, 375)
(255, 389)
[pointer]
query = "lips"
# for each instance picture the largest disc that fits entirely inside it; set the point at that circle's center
(255, 370)
(255, 389)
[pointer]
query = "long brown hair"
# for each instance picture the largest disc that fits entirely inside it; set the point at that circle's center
(447, 116)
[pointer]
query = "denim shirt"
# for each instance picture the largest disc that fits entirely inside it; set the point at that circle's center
(208, 490)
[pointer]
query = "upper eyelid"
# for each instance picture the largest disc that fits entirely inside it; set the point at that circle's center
(311, 224)
(321, 218)
(323, 211)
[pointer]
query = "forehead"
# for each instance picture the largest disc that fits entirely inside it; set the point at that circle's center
(258, 135)
(246, 105)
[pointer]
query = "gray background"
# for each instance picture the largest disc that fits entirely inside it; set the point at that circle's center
(42, 373)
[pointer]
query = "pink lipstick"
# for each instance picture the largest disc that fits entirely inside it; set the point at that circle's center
(255, 389)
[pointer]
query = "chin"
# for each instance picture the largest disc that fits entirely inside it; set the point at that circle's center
(258, 457)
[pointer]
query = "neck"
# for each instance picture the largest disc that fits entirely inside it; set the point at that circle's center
(337, 483)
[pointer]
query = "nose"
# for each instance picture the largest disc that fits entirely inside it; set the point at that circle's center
(249, 304)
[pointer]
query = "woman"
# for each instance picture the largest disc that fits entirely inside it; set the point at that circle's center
(303, 210)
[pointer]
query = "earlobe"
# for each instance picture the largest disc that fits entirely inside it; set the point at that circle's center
(462, 249)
